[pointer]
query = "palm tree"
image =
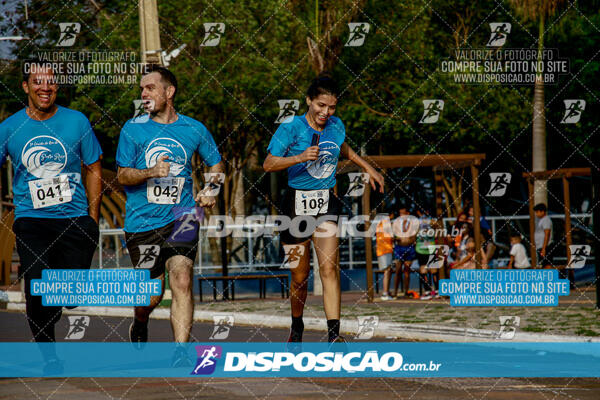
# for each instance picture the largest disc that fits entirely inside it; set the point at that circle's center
(538, 11)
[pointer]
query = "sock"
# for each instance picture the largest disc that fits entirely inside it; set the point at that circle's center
(297, 329)
(333, 328)
(297, 324)
(139, 324)
(426, 284)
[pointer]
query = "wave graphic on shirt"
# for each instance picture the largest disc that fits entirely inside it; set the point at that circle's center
(325, 165)
(155, 153)
(33, 159)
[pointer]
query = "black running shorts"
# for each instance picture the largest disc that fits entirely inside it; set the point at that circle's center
(151, 249)
(302, 230)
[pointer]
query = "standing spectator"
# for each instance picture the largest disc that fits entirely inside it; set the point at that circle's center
(424, 248)
(384, 243)
(543, 236)
(405, 229)
(518, 254)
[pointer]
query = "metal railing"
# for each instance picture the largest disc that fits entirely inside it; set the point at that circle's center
(349, 262)
(250, 264)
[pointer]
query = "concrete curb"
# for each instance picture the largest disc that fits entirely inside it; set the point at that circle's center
(436, 333)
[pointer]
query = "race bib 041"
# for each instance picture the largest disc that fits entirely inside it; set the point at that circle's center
(164, 190)
(50, 191)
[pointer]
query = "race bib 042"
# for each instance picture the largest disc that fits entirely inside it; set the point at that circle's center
(164, 190)
(50, 191)
(312, 202)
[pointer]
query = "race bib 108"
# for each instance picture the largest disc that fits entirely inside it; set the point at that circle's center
(312, 202)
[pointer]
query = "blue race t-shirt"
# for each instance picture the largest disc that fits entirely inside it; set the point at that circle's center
(141, 143)
(294, 137)
(44, 151)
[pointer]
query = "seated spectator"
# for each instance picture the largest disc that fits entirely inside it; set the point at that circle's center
(486, 232)
(458, 236)
(468, 261)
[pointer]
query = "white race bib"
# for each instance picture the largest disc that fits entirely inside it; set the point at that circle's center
(164, 190)
(312, 202)
(50, 191)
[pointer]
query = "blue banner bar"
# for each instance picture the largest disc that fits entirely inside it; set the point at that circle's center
(221, 359)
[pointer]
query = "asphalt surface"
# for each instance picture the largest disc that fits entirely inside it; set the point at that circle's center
(13, 327)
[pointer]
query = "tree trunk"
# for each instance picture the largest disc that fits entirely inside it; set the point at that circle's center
(538, 148)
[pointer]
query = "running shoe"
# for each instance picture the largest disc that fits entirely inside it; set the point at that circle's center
(294, 342)
(339, 339)
(338, 344)
(427, 296)
(386, 297)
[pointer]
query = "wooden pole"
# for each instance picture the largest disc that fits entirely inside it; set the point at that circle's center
(532, 247)
(567, 202)
(568, 236)
(439, 193)
(149, 32)
(476, 214)
(368, 242)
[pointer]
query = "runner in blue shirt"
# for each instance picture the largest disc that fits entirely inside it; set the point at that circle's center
(309, 147)
(56, 206)
(154, 157)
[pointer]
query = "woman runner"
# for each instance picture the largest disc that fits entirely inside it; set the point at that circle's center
(309, 146)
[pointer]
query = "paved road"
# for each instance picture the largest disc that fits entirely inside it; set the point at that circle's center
(13, 327)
